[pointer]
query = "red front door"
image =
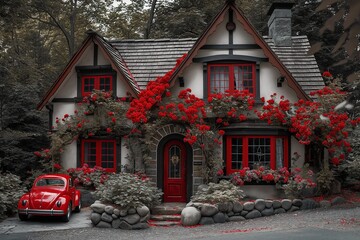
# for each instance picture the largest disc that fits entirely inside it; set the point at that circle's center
(174, 172)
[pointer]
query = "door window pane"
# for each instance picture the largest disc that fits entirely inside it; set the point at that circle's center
(174, 162)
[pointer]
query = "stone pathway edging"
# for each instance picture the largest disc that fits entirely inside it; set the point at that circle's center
(106, 216)
(204, 213)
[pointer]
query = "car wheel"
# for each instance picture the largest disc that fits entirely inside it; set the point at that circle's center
(78, 207)
(66, 218)
(23, 217)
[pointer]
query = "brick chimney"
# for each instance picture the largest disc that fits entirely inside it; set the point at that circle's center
(280, 23)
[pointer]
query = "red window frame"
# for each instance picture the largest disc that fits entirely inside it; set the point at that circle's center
(245, 153)
(99, 153)
(231, 74)
(97, 83)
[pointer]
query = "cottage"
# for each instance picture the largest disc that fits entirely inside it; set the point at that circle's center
(230, 54)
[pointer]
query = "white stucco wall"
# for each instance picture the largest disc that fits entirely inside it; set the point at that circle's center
(298, 148)
(241, 36)
(221, 35)
(60, 109)
(68, 157)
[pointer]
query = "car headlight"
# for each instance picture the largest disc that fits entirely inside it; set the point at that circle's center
(58, 203)
(24, 202)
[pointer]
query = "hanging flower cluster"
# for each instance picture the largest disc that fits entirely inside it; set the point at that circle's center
(88, 177)
(314, 121)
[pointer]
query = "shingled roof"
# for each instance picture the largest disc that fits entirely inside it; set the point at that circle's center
(149, 59)
(302, 66)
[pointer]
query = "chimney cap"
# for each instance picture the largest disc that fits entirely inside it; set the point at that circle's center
(280, 4)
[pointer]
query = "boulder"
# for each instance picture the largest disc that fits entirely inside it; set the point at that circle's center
(142, 211)
(146, 218)
(109, 209)
(253, 214)
(294, 208)
(279, 210)
(117, 212)
(248, 206)
(338, 200)
(190, 216)
(309, 203)
(219, 217)
(116, 223)
(123, 212)
(236, 219)
(208, 210)
(131, 211)
(225, 206)
(243, 213)
(276, 204)
(267, 212)
(230, 214)
(103, 224)
(260, 204)
(286, 204)
(114, 216)
(106, 217)
(98, 207)
(268, 203)
(139, 226)
(238, 207)
(132, 219)
(124, 225)
(297, 202)
(95, 218)
(206, 221)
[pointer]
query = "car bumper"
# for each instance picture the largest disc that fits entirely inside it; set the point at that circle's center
(42, 212)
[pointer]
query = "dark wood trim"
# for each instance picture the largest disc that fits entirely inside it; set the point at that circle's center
(66, 100)
(229, 58)
(257, 74)
(118, 155)
(231, 47)
(96, 52)
(50, 108)
(78, 153)
(89, 70)
(205, 81)
(231, 32)
(189, 164)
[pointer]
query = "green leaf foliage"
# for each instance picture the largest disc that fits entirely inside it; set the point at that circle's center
(10, 193)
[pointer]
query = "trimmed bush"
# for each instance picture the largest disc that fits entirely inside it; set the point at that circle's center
(224, 191)
(128, 190)
(10, 193)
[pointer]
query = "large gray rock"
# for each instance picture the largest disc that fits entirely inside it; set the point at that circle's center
(236, 219)
(190, 216)
(268, 203)
(276, 204)
(279, 210)
(95, 218)
(208, 210)
(243, 213)
(124, 225)
(117, 212)
(98, 207)
(325, 204)
(267, 212)
(146, 218)
(248, 206)
(206, 221)
(139, 226)
(238, 207)
(227, 219)
(106, 217)
(309, 203)
(260, 204)
(297, 202)
(253, 214)
(109, 209)
(116, 223)
(131, 211)
(219, 217)
(294, 208)
(338, 200)
(114, 216)
(123, 212)
(102, 224)
(142, 211)
(230, 214)
(225, 206)
(286, 204)
(132, 219)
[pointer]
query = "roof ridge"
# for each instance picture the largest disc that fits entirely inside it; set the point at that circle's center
(152, 40)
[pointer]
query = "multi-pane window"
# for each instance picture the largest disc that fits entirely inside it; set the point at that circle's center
(254, 151)
(89, 83)
(102, 153)
(224, 77)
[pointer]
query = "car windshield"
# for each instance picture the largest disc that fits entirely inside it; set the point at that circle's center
(50, 182)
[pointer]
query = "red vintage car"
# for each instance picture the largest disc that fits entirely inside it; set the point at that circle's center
(51, 195)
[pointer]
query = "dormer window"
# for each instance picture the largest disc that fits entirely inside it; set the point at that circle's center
(89, 83)
(222, 77)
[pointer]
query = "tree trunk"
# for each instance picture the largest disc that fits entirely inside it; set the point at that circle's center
(150, 20)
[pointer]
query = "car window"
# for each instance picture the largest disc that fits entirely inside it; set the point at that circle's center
(50, 182)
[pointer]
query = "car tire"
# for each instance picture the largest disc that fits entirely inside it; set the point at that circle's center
(67, 216)
(23, 217)
(78, 207)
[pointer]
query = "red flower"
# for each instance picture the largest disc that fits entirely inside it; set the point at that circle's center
(108, 130)
(57, 166)
(221, 132)
(220, 172)
(327, 74)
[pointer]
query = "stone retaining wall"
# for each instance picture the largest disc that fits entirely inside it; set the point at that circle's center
(106, 216)
(204, 213)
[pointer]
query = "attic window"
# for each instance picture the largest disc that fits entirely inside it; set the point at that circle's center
(89, 83)
(222, 77)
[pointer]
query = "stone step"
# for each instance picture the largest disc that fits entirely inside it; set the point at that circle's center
(163, 223)
(176, 217)
(168, 209)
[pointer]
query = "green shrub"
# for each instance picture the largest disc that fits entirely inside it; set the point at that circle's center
(10, 193)
(325, 179)
(128, 190)
(224, 191)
